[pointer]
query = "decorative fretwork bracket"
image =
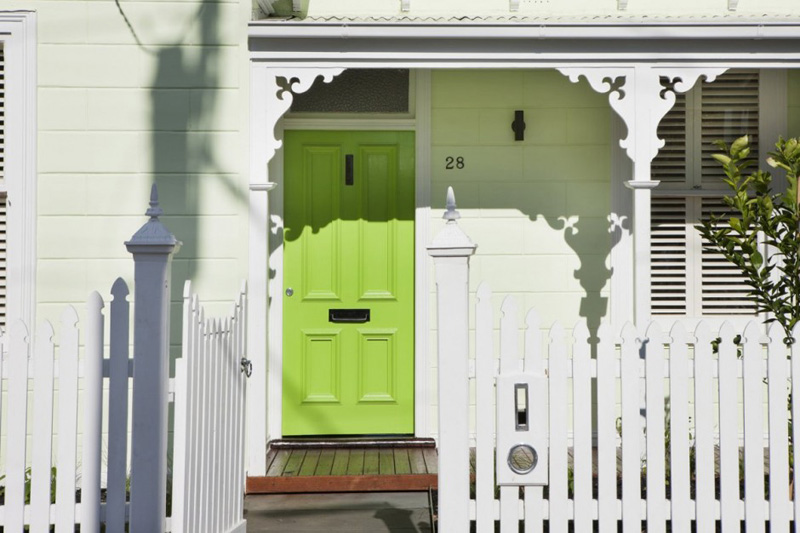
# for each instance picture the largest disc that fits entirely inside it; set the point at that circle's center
(282, 85)
(637, 95)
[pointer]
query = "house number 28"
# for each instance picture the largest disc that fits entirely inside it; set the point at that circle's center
(451, 163)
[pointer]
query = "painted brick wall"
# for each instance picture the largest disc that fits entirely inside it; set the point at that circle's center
(130, 94)
(538, 208)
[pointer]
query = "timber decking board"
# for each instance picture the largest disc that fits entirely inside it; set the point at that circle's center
(294, 462)
(371, 463)
(340, 462)
(325, 463)
(309, 463)
(355, 464)
(417, 461)
(347, 469)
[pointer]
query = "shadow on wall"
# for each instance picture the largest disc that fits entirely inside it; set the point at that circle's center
(183, 97)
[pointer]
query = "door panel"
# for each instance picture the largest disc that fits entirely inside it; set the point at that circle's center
(349, 244)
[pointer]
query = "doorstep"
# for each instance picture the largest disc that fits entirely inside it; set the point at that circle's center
(348, 465)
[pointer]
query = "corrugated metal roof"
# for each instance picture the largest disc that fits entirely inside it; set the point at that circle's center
(526, 19)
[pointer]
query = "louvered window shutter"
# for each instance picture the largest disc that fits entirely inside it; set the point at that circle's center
(687, 280)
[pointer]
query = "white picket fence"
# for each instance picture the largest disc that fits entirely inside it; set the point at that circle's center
(62, 424)
(681, 404)
(208, 475)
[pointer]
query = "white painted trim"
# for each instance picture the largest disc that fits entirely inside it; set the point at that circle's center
(257, 276)
(421, 261)
(633, 29)
(360, 124)
(18, 36)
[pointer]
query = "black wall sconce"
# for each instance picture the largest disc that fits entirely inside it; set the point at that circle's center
(519, 125)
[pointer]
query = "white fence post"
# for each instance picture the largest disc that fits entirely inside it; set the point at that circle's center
(451, 250)
(152, 248)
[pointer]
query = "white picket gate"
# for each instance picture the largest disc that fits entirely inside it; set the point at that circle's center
(701, 411)
(210, 378)
(29, 358)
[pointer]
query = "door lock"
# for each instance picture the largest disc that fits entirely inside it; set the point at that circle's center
(289, 291)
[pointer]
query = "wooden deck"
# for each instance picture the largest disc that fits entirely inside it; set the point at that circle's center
(355, 468)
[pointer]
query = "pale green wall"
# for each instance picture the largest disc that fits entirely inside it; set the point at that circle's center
(515, 197)
(113, 116)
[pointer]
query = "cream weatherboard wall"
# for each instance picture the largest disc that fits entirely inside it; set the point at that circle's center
(538, 209)
(128, 94)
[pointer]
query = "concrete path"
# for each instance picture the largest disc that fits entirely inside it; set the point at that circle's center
(375, 512)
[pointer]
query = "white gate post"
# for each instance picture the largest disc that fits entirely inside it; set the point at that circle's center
(152, 248)
(451, 250)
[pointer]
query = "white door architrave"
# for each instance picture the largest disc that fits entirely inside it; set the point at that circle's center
(623, 59)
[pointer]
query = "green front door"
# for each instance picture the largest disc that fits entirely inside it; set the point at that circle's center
(348, 294)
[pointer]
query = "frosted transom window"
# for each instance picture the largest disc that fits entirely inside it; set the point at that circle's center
(357, 91)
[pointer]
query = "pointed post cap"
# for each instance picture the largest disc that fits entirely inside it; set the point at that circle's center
(153, 237)
(451, 241)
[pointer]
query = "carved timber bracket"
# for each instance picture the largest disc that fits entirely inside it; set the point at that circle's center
(637, 95)
(282, 85)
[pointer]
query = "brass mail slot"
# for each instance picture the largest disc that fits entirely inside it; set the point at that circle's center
(357, 316)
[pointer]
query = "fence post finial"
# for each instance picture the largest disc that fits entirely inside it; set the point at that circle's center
(451, 214)
(154, 211)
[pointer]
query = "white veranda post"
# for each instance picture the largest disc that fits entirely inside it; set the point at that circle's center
(451, 250)
(272, 90)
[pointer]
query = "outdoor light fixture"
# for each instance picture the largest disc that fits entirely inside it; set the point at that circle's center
(519, 125)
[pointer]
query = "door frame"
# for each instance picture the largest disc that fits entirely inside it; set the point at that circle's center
(420, 124)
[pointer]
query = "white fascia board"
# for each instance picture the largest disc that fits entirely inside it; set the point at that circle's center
(623, 31)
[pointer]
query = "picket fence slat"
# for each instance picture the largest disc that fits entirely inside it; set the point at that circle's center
(557, 359)
(606, 432)
(509, 362)
(704, 426)
(484, 389)
(68, 421)
(631, 431)
(17, 426)
(582, 422)
(728, 430)
(777, 381)
(42, 428)
(534, 496)
(753, 428)
(92, 416)
(795, 388)
(118, 377)
(654, 394)
(679, 430)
